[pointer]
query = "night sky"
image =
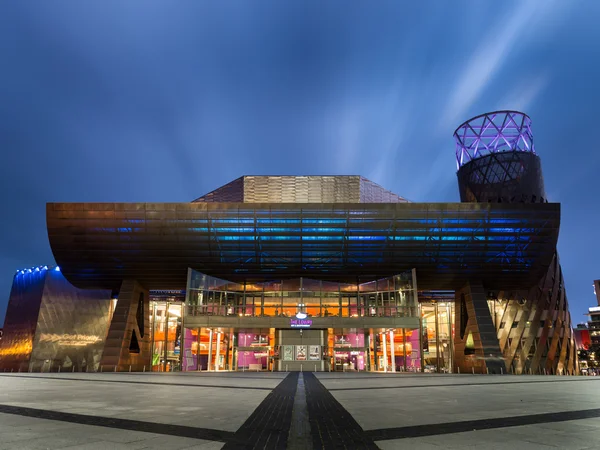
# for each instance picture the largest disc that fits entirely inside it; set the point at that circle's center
(144, 101)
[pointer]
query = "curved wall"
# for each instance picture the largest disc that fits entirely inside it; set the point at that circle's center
(533, 327)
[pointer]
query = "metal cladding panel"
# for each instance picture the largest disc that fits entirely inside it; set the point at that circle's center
(502, 177)
(371, 192)
(302, 189)
(534, 326)
(51, 324)
(231, 192)
(98, 245)
(21, 319)
(71, 327)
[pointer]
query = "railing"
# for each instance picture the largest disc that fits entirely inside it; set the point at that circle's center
(345, 311)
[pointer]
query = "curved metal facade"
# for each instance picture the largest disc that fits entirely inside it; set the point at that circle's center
(99, 245)
(497, 163)
(502, 177)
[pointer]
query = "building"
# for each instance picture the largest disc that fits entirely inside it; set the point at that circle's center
(316, 273)
(587, 338)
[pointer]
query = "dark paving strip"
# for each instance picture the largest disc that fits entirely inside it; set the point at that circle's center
(97, 380)
(483, 424)
(122, 424)
(420, 386)
(268, 426)
(331, 425)
(300, 437)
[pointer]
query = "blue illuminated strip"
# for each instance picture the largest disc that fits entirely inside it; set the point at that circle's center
(367, 238)
(322, 238)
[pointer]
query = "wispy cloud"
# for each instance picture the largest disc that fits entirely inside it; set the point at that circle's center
(489, 58)
(524, 95)
(493, 53)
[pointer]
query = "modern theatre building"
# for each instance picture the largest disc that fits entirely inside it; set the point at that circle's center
(309, 273)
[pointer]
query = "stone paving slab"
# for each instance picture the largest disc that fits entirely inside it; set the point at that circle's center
(260, 380)
(208, 407)
(524, 437)
(458, 401)
(348, 410)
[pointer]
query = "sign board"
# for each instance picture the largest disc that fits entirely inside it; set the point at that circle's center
(300, 323)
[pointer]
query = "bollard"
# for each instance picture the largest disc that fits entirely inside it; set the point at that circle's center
(300, 367)
(144, 368)
(130, 367)
(487, 369)
(458, 370)
(115, 368)
(315, 367)
(101, 369)
(73, 368)
(473, 370)
(501, 370)
(58, 369)
(544, 371)
(286, 367)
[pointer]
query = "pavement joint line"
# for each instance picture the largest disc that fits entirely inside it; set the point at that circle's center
(208, 434)
(421, 386)
(268, 426)
(437, 429)
(96, 380)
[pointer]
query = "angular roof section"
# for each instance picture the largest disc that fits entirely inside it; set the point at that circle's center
(301, 189)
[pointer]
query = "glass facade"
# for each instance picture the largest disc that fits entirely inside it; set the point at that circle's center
(437, 328)
(166, 326)
(388, 297)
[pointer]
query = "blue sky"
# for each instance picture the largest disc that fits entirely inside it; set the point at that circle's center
(165, 101)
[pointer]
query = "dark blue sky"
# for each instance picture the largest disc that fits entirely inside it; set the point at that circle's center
(165, 101)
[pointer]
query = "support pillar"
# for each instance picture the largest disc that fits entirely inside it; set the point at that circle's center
(476, 345)
(128, 343)
(392, 353)
(404, 347)
(210, 345)
(384, 339)
(217, 356)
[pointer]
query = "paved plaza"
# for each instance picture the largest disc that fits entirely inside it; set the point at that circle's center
(298, 411)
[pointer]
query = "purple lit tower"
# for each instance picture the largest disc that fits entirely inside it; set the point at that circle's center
(521, 329)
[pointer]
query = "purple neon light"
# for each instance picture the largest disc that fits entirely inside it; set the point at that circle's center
(499, 131)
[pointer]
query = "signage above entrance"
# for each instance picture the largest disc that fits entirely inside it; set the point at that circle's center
(300, 323)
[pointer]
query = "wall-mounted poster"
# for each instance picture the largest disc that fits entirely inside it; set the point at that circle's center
(314, 352)
(288, 352)
(300, 352)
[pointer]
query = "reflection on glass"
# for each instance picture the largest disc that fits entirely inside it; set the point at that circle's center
(387, 297)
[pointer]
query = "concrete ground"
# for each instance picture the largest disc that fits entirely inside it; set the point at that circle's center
(276, 410)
